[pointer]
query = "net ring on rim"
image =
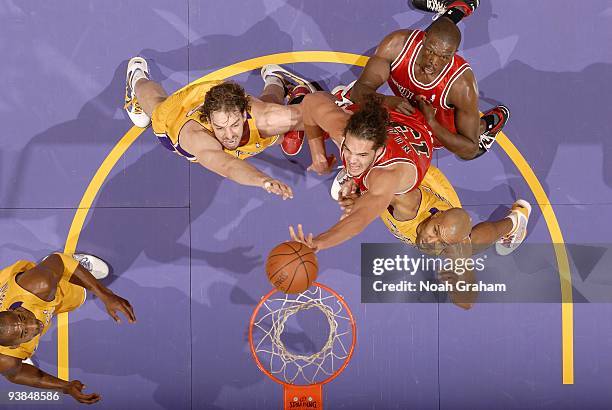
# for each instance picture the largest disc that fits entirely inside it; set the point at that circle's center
(319, 288)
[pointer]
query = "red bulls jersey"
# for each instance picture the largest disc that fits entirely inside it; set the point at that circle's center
(409, 141)
(403, 81)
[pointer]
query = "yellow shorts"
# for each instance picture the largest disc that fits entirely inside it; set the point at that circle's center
(175, 111)
(71, 297)
(171, 115)
(437, 194)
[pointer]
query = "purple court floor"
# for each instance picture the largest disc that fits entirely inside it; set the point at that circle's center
(188, 248)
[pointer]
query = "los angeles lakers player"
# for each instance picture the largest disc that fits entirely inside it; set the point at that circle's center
(215, 124)
(30, 295)
(432, 219)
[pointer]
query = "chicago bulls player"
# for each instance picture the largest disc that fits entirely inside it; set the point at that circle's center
(386, 153)
(386, 158)
(424, 63)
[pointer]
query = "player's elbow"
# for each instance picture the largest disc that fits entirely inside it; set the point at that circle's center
(469, 152)
(358, 220)
(357, 91)
(312, 101)
(361, 90)
(11, 377)
(11, 372)
(307, 100)
(464, 305)
(464, 300)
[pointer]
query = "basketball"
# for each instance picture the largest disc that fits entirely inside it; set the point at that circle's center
(292, 267)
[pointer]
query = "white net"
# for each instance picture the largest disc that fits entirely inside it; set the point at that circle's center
(291, 367)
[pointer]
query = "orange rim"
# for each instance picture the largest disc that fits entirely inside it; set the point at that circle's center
(333, 375)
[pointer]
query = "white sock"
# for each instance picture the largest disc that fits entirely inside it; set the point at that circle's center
(138, 75)
(272, 79)
(513, 216)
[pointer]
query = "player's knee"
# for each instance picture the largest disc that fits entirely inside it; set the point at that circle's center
(155, 102)
(467, 157)
(308, 98)
(470, 153)
(53, 262)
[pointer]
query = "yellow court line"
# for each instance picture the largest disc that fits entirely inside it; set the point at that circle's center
(284, 58)
(349, 59)
(567, 306)
(75, 231)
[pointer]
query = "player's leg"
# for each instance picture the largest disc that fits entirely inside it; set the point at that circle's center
(507, 234)
(142, 95)
(275, 86)
(98, 268)
(491, 124)
(149, 94)
(487, 233)
(455, 10)
(278, 83)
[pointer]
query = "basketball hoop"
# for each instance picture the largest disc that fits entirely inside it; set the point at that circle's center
(302, 376)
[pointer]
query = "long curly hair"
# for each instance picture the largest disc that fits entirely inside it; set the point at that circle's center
(227, 96)
(370, 122)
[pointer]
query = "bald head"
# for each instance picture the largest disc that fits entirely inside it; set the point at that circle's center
(446, 32)
(18, 326)
(456, 225)
(7, 328)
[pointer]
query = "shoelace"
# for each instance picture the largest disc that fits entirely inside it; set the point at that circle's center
(486, 142)
(136, 108)
(438, 6)
(342, 180)
(509, 239)
(129, 101)
(86, 263)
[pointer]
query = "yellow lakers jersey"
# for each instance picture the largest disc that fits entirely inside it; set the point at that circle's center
(170, 116)
(437, 194)
(67, 297)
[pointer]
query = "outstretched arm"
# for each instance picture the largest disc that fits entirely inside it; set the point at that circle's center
(274, 119)
(211, 156)
(384, 184)
(21, 373)
(367, 208)
(64, 267)
(322, 116)
(461, 251)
